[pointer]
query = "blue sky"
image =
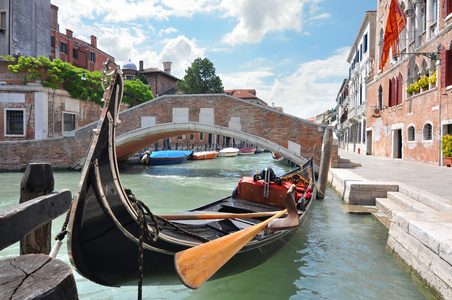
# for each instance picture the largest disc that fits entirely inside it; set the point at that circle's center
(292, 52)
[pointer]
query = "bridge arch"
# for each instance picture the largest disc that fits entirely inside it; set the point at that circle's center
(221, 114)
(133, 141)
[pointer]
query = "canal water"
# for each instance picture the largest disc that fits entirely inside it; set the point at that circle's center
(334, 256)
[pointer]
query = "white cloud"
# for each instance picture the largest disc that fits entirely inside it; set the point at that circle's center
(312, 89)
(256, 18)
(167, 31)
(181, 51)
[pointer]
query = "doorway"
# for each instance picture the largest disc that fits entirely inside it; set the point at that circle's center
(397, 144)
(369, 143)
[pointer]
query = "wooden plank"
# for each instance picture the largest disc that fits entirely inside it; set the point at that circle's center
(19, 220)
(36, 276)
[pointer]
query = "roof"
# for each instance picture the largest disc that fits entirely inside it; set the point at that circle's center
(158, 71)
(242, 94)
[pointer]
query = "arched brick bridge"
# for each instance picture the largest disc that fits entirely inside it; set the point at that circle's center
(170, 116)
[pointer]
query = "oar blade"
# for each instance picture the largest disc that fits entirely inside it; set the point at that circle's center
(196, 265)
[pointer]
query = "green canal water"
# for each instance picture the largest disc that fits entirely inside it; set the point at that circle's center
(334, 256)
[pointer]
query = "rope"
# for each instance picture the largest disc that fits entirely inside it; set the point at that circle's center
(144, 231)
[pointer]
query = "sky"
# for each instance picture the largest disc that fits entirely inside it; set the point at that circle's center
(292, 52)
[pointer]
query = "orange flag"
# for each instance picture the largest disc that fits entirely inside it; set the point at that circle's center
(394, 25)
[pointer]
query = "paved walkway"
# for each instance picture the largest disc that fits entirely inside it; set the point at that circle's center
(432, 178)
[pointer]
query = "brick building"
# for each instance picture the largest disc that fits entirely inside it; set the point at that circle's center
(407, 124)
(160, 82)
(75, 51)
(31, 111)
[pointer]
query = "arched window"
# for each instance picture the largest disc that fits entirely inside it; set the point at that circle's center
(380, 98)
(428, 132)
(411, 132)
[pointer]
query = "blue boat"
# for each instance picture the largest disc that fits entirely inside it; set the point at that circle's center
(168, 157)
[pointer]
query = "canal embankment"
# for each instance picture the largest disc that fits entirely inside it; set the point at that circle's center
(414, 201)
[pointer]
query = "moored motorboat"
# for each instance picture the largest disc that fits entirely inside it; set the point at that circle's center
(247, 151)
(106, 222)
(228, 152)
(165, 157)
(204, 155)
(259, 150)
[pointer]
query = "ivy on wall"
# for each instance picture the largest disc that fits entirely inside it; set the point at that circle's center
(57, 74)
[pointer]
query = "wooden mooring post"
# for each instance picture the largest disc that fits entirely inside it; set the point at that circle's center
(325, 160)
(37, 181)
(35, 276)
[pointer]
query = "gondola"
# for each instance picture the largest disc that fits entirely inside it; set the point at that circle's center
(104, 233)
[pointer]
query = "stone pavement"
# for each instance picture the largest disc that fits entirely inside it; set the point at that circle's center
(431, 178)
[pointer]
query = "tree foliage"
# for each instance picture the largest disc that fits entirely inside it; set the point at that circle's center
(57, 74)
(200, 78)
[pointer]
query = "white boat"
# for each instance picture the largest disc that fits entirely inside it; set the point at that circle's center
(205, 155)
(228, 152)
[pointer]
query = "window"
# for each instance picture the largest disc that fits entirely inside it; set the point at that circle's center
(179, 137)
(130, 77)
(15, 122)
(92, 56)
(365, 43)
(3, 19)
(63, 47)
(192, 136)
(201, 136)
(411, 134)
(68, 122)
(428, 132)
(52, 41)
(75, 53)
(380, 98)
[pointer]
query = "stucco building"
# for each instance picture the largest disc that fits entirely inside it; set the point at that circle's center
(25, 28)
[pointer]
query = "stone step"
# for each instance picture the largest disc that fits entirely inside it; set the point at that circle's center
(383, 218)
(388, 206)
(408, 203)
(348, 165)
(434, 201)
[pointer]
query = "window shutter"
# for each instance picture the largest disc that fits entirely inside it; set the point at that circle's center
(444, 9)
(445, 67)
(399, 89)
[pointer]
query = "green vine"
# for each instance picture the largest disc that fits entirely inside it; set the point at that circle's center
(57, 74)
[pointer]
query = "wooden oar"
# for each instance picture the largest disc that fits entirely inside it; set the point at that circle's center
(196, 265)
(184, 216)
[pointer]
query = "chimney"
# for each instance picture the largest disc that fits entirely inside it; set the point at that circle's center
(141, 66)
(93, 41)
(167, 67)
(69, 33)
(54, 18)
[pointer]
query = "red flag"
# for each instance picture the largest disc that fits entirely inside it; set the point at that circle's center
(394, 25)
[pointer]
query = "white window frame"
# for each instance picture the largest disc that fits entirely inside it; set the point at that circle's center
(424, 133)
(62, 121)
(408, 134)
(6, 122)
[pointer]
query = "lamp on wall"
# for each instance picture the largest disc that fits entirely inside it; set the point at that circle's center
(432, 55)
(83, 75)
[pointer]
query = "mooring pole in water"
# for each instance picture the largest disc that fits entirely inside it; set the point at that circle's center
(37, 181)
(325, 162)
